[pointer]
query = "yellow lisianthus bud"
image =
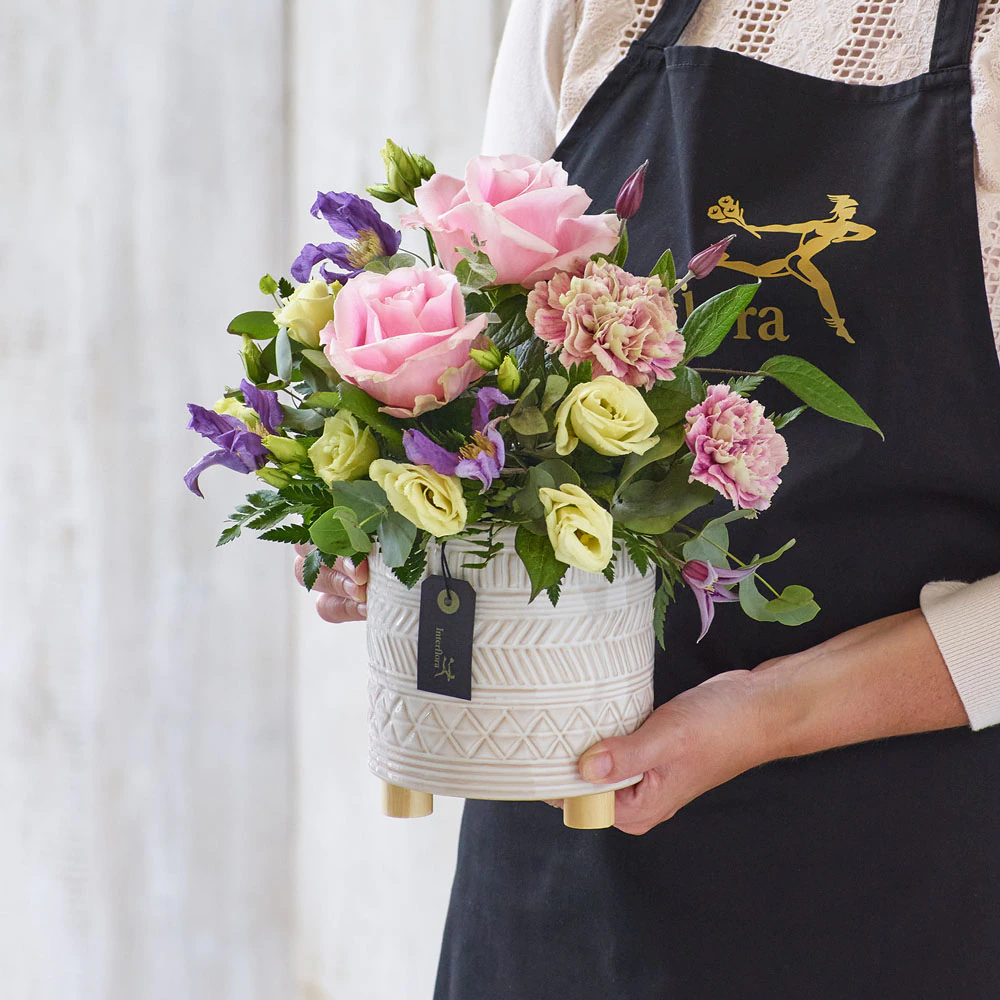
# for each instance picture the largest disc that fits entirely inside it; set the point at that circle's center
(578, 527)
(432, 501)
(308, 310)
(232, 407)
(508, 377)
(488, 359)
(285, 449)
(274, 477)
(607, 414)
(345, 449)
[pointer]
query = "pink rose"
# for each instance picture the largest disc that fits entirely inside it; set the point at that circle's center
(403, 338)
(625, 325)
(736, 449)
(527, 215)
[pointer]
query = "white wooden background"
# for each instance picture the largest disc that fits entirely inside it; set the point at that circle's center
(184, 806)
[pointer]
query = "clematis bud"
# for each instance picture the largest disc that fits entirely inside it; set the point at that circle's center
(630, 197)
(703, 264)
(508, 377)
(488, 359)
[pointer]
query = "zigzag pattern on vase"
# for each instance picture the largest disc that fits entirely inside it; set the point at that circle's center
(530, 662)
(529, 733)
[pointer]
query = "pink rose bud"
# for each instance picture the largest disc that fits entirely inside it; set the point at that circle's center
(701, 265)
(630, 197)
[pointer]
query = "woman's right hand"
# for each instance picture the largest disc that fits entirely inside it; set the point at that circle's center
(341, 592)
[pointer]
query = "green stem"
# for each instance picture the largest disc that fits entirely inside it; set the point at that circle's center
(725, 371)
(726, 552)
(431, 249)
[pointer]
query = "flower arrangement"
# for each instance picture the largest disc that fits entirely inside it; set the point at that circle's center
(516, 376)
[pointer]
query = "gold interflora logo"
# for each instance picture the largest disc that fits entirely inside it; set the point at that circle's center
(814, 237)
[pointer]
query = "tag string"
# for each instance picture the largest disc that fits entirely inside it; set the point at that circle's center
(445, 571)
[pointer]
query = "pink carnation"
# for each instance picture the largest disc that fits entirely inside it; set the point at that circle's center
(736, 449)
(625, 325)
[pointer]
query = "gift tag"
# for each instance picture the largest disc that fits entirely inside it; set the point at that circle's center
(444, 640)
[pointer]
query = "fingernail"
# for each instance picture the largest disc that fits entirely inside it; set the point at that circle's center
(352, 589)
(363, 610)
(596, 766)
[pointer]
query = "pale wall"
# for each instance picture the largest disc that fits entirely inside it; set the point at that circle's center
(185, 811)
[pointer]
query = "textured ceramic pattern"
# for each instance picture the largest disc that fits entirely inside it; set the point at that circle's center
(547, 683)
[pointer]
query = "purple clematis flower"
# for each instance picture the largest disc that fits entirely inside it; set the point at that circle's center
(481, 457)
(357, 220)
(711, 586)
(239, 448)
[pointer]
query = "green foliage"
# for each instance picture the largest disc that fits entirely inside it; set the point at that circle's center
(816, 389)
(711, 544)
(228, 535)
(555, 388)
(638, 548)
(283, 355)
(322, 401)
(745, 384)
(366, 499)
(559, 471)
(665, 270)
(669, 401)
(257, 324)
(474, 271)
(338, 533)
(290, 533)
(366, 410)
(794, 606)
(710, 323)
(783, 419)
(528, 421)
(413, 569)
(620, 256)
(652, 507)
(285, 288)
(320, 360)
(544, 570)
(383, 265)
(515, 335)
(671, 438)
(305, 421)
(396, 536)
(485, 548)
(267, 285)
(661, 600)
(311, 567)
(250, 355)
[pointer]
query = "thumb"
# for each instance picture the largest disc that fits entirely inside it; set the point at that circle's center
(624, 757)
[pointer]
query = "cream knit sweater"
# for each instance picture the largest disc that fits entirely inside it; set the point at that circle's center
(555, 53)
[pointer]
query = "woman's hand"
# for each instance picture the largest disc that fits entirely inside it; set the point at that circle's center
(883, 679)
(342, 591)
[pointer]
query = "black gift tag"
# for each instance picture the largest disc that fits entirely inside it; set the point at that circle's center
(444, 640)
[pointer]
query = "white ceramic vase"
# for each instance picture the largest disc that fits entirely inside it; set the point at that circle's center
(547, 683)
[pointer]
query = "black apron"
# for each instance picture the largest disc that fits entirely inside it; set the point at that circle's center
(871, 871)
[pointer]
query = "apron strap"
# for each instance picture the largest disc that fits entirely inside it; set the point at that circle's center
(954, 34)
(670, 22)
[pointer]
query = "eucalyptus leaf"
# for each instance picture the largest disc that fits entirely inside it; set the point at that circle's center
(283, 354)
(302, 420)
(257, 324)
(528, 420)
(320, 360)
(365, 498)
(329, 533)
(710, 323)
(560, 471)
(669, 401)
(544, 569)
(526, 501)
(816, 389)
(322, 400)
(671, 438)
(555, 389)
(652, 507)
(396, 536)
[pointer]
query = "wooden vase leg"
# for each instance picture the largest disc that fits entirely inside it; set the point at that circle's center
(590, 812)
(404, 803)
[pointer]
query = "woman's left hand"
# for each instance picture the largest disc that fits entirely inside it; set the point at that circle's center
(886, 678)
